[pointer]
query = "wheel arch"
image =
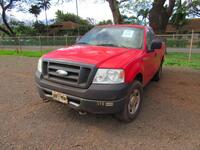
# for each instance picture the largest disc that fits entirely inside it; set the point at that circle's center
(139, 77)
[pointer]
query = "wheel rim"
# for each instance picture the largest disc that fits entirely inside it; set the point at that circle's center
(134, 102)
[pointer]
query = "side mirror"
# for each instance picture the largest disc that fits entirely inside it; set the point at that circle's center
(78, 38)
(156, 44)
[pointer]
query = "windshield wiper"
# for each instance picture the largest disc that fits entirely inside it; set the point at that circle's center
(113, 45)
(123, 46)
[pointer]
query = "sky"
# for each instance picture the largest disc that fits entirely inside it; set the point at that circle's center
(99, 11)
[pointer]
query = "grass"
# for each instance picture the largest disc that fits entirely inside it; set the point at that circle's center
(171, 59)
(181, 59)
(23, 53)
(177, 43)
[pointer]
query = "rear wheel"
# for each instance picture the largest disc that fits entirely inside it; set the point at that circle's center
(132, 104)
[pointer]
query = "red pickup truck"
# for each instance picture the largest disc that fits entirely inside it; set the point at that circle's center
(104, 72)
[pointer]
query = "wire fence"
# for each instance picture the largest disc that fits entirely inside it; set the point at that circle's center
(175, 41)
(181, 40)
(186, 43)
(36, 43)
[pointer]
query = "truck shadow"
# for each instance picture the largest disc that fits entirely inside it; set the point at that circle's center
(109, 122)
(160, 110)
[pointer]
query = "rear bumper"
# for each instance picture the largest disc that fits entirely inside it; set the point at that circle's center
(99, 99)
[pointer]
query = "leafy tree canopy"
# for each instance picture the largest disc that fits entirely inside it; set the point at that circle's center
(61, 17)
(35, 10)
(178, 18)
(104, 22)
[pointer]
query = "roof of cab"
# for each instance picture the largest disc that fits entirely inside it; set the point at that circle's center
(123, 25)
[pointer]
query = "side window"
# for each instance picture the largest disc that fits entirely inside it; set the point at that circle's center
(150, 37)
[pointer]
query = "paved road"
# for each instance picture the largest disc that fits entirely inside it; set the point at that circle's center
(170, 117)
(183, 50)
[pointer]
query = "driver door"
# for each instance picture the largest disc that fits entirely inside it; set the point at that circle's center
(149, 59)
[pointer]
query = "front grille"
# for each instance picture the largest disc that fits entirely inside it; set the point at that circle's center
(78, 75)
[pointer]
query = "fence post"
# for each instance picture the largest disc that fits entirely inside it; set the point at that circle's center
(19, 43)
(66, 40)
(54, 41)
(40, 43)
(191, 43)
(1, 43)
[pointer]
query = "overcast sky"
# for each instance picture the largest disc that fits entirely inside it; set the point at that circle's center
(99, 11)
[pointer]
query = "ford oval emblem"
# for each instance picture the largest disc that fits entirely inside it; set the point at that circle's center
(62, 72)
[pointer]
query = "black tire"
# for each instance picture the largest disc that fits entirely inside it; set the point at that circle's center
(157, 76)
(126, 115)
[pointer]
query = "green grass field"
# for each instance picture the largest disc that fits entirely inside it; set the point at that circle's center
(23, 53)
(171, 59)
(181, 59)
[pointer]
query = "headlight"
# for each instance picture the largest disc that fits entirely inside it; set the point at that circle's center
(109, 76)
(39, 67)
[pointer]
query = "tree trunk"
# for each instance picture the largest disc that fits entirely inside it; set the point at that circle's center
(5, 31)
(4, 8)
(159, 15)
(6, 23)
(114, 6)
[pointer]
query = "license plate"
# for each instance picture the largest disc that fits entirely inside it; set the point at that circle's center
(60, 97)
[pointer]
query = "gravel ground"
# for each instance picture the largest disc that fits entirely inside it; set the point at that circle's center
(170, 117)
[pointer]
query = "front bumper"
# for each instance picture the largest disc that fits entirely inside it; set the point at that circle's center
(98, 98)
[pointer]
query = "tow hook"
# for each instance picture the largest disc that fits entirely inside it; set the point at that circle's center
(45, 100)
(82, 113)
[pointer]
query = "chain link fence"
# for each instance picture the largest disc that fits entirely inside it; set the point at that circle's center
(175, 42)
(181, 40)
(187, 44)
(36, 43)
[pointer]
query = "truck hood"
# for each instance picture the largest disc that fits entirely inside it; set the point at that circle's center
(96, 55)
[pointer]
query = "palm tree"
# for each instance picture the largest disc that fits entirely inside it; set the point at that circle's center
(45, 4)
(35, 10)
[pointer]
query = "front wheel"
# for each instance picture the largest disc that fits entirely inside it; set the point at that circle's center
(132, 104)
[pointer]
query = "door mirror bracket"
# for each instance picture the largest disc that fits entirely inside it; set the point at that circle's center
(155, 44)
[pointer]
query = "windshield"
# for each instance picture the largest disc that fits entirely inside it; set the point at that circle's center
(115, 37)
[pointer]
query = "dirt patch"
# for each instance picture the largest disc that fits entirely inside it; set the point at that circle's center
(170, 116)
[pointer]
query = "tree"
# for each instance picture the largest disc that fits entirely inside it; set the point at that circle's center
(144, 13)
(92, 21)
(103, 22)
(178, 18)
(159, 15)
(137, 9)
(194, 8)
(39, 27)
(20, 28)
(131, 20)
(35, 10)
(45, 4)
(62, 17)
(114, 6)
(6, 5)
